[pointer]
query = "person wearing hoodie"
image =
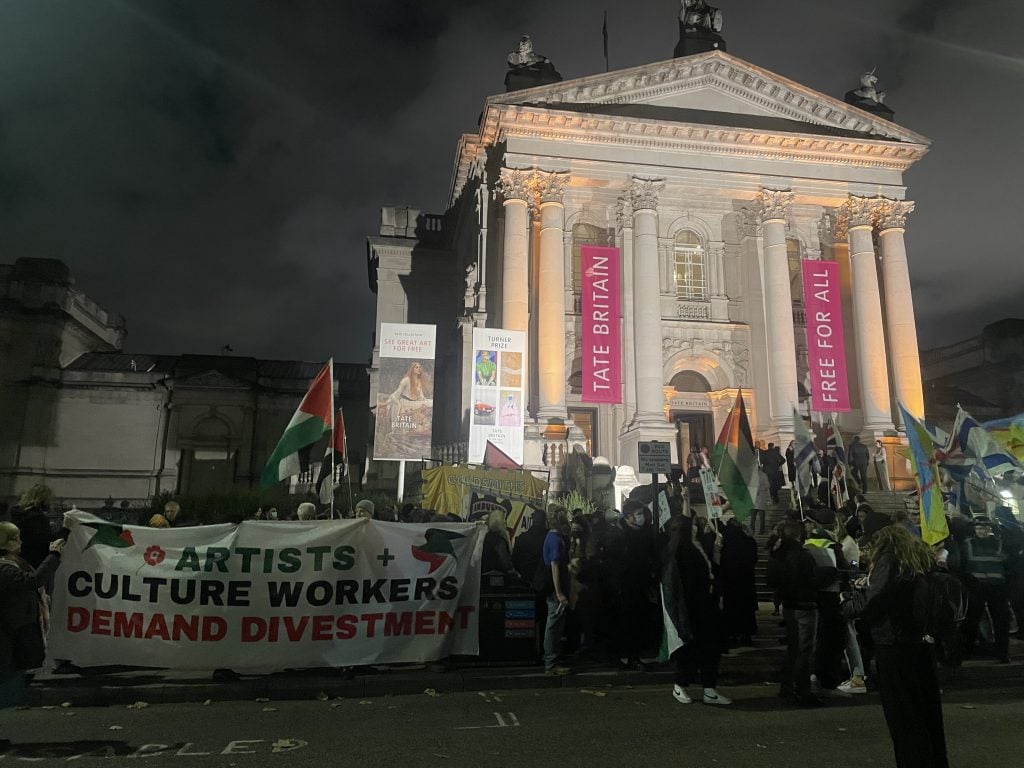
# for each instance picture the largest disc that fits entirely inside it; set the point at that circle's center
(791, 570)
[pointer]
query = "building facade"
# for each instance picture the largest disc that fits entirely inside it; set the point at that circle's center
(718, 181)
(96, 423)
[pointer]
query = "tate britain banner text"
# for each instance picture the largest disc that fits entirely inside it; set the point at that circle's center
(602, 343)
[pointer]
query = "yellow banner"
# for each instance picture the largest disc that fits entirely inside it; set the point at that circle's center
(461, 490)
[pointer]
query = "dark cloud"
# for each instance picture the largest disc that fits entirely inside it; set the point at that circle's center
(211, 169)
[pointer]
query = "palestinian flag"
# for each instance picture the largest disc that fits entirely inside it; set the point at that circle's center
(334, 456)
(311, 422)
(436, 548)
(734, 461)
(109, 535)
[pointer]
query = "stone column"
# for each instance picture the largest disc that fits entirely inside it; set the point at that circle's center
(779, 312)
(648, 421)
(899, 306)
(624, 214)
(551, 299)
(646, 302)
(514, 186)
(867, 316)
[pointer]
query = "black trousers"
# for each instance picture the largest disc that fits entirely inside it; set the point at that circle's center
(996, 597)
(909, 689)
(698, 660)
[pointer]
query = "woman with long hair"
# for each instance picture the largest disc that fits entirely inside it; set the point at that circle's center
(412, 387)
(904, 655)
(24, 613)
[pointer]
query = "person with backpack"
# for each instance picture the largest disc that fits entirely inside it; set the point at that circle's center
(904, 650)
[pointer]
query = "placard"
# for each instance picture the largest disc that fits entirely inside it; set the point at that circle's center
(498, 385)
(405, 392)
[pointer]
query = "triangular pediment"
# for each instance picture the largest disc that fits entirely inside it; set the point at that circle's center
(212, 379)
(711, 88)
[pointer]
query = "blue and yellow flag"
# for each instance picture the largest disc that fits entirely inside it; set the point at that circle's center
(934, 527)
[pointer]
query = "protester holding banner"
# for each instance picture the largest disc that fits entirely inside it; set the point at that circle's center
(24, 612)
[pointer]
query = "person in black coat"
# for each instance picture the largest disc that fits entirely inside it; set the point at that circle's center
(791, 570)
(22, 605)
(907, 680)
(773, 462)
(738, 580)
(529, 546)
(703, 633)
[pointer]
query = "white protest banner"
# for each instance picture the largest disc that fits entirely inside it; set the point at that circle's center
(263, 596)
(498, 393)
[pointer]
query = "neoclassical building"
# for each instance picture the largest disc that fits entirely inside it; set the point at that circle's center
(719, 181)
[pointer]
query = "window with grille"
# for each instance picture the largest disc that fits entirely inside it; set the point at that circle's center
(690, 267)
(584, 234)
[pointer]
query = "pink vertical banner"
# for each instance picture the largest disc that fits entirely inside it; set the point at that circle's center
(602, 339)
(826, 347)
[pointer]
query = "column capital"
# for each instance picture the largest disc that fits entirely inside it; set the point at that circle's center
(643, 193)
(624, 211)
(748, 222)
(892, 214)
(775, 204)
(549, 186)
(514, 184)
(832, 227)
(859, 211)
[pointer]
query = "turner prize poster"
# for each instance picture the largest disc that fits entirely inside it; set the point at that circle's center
(405, 392)
(602, 346)
(262, 596)
(497, 410)
(826, 348)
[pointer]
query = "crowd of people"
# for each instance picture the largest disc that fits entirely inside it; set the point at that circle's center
(610, 587)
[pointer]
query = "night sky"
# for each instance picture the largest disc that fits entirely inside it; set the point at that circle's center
(211, 170)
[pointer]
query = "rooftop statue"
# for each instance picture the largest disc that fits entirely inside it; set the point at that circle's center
(870, 98)
(697, 14)
(525, 56)
(867, 90)
(528, 69)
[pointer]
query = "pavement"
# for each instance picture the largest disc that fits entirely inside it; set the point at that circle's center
(757, 665)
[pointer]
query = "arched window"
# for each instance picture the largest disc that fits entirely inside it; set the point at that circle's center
(690, 381)
(690, 267)
(796, 284)
(584, 234)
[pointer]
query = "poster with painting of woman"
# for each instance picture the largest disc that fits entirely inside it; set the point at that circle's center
(405, 395)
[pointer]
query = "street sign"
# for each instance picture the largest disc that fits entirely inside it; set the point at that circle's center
(655, 458)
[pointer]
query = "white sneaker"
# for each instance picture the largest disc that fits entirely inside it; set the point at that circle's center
(679, 694)
(852, 686)
(711, 696)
